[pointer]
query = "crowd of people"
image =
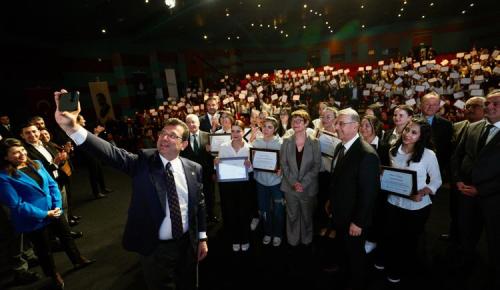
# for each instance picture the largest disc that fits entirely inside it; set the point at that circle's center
(333, 128)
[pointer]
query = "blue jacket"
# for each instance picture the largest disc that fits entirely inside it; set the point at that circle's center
(27, 201)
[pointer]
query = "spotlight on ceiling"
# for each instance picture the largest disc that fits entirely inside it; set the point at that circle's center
(305, 6)
(170, 3)
(103, 31)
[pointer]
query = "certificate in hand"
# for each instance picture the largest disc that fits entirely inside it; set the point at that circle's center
(397, 181)
(217, 139)
(232, 169)
(327, 142)
(265, 159)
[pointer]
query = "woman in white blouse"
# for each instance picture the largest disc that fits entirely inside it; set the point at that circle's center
(406, 217)
(235, 197)
(226, 120)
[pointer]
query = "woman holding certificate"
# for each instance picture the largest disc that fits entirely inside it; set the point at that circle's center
(270, 197)
(235, 195)
(406, 216)
(402, 115)
(300, 163)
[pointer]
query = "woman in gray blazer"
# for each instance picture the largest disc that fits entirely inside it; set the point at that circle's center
(300, 163)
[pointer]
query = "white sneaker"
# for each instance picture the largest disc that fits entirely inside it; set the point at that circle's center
(245, 247)
(236, 247)
(254, 224)
(370, 246)
(276, 241)
(266, 240)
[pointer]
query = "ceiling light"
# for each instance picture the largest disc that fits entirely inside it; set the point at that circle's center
(463, 11)
(261, 25)
(146, 1)
(281, 31)
(286, 35)
(326, 22)
(471, 5)
(258, 5)
(305, 6)
(402, 9)
(362, 6)
(103, 31)
(238, 37)
(405, 2)
(205, 36)
(329, 27)
(316, 12)
(423, 16)
(304, 27)
(229, 38)
(251, 24)
(399, 15)
(170, 3)
(363, 26)
(275, 27)
(227, 14)
(432, 4)
(331, 31)
(320, 14)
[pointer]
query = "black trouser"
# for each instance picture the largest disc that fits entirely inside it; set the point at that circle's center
(171, 266)
(96, 176)
(236, 210)
(474, 214)
(209, 192)
(401, 236)
(321, 218)
(41, 243)
(352, 257)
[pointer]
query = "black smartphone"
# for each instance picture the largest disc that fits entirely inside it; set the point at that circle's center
(69, 101)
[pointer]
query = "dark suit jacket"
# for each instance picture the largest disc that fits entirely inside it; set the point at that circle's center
(442, 132)
(205, 124)
(147, 206)
(480, 169)
(354, 186)
(7, 133)
(458, 131)
(34, 154)
(202, 157)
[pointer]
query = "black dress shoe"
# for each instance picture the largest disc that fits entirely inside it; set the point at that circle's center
(107, 190)
(213, 219)
(76, 235)
(444, 237)
(100, 195)
(33, 262)
(76, 217)
(84, 263)
(72, 222)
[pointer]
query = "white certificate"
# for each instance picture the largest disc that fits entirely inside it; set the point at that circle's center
(232, 169)
(265, 159)
(398, 181)
(217, 139)
(327, 143)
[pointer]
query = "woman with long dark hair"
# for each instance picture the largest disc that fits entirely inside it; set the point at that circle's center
(34, 200)
(406, 217)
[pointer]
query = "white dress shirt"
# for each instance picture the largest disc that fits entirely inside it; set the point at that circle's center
(46, 154)
(181, 187)
(428, 165)
(493, 131)
(347, 146)
(192, 137)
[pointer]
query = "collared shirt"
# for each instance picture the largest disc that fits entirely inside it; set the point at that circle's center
(192, 136)
(429, 119)
(428, 166)
(165, 232)
(493, 131)
(226, 150)
(46, 154)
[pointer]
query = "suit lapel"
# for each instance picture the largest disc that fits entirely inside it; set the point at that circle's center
(493, 143)
(292, 153)
(348, 155)
(192, 183)
(30, 181)
(305, 154)
(157, 173)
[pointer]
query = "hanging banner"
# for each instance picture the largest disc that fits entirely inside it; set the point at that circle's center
(99, 91)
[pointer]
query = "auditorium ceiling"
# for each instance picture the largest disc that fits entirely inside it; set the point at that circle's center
(221, 21)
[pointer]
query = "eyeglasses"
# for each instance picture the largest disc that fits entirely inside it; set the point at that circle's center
(298, 120)
(170, 136)
(342, 124)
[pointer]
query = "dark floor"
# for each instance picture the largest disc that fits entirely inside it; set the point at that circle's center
(263, 267)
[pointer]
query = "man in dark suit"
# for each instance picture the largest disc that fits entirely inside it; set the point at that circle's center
(352, 193)
(196, 151)
(477, 176)
(474, 111)
(6, 130)
(442, 130)
(166, 219)
(210, 121)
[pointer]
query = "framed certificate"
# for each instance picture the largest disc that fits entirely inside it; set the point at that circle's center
(265, 159)
(401, 182)
(232, 169)
(327, 142)
(216, 140)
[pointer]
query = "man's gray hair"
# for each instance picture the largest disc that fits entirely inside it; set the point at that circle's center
(351, 113)
(193, 117)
